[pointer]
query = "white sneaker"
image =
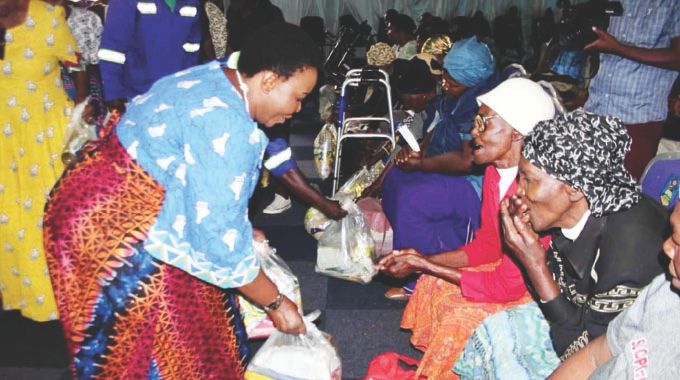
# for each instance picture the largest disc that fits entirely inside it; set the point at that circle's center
(278, 205)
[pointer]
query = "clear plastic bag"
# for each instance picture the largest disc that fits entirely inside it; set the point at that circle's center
(346, 249)
(258, 324)
(78, 132)
(324, 150)
(297, 357)
(359, 181)
(316, 223)
(377, 222)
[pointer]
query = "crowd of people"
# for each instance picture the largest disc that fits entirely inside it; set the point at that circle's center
(525, 244)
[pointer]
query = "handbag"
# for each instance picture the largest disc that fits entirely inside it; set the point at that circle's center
(391, 366)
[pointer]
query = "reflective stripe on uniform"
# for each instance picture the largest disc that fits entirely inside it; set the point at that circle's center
(191, 48)
(277, 159)
(188, 11)
(111, 56)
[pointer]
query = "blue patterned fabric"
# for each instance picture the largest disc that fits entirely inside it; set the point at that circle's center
(570, 63)
(192, 133)
(513, 344)
(632, 91)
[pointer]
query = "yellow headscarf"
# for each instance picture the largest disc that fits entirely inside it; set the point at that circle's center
(437, 45)
(380, 54)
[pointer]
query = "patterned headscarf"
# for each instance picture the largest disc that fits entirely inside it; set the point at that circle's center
(437, 45)
(586, 151)
(380, 54)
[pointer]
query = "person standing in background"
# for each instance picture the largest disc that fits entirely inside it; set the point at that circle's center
(639, 60)
(34, 112)
(144, 41)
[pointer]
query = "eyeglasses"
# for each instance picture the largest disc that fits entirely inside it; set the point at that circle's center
(480, 122)
(2, 43)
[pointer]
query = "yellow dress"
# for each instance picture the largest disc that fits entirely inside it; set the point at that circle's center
(34, 112)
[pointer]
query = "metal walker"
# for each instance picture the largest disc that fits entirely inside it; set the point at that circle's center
(354, 78)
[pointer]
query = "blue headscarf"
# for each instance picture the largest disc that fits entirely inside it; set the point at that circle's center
(469, 62)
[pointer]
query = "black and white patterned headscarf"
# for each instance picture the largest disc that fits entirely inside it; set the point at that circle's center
(586, 151)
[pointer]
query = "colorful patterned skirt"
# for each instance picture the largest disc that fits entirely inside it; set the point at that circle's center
(124, 313)
(442, 321)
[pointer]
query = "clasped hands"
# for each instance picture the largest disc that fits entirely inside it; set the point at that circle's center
(408, 160)
(518, 233)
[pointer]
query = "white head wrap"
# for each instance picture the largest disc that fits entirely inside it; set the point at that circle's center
(521, 102)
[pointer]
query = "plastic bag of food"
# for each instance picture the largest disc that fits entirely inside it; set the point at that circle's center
(379, 226)
(324, 150)
(359, 181)
(346, 249)
(258, 324)
(296, 357)
(78, 133)
(316, 222)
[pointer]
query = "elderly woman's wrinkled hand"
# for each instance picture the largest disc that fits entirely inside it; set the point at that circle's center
(402, 263)
(414, 162)
(519, 236)
(403, 155)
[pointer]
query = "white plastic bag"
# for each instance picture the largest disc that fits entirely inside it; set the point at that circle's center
(296, 357)
(346, 249)
(324, 150)
(316, 222)
(258, 324)
(78, 132)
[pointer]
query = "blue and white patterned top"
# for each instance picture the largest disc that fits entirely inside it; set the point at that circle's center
(632, 91)
(192, 133)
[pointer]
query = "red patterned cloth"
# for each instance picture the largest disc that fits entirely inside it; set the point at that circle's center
(124, 313)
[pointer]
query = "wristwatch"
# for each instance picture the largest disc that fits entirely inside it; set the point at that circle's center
(274, 304)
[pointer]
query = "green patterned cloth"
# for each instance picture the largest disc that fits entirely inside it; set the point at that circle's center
(513, 344)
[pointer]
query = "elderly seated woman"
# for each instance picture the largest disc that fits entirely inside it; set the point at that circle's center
(430, 198)
(637, 342)
(448, 302)
(606, 246)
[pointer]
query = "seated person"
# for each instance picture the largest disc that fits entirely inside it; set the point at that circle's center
(641, 341)
(606, 235)
(429, 198)
(416, 87)
(401, 33)
(448, 302)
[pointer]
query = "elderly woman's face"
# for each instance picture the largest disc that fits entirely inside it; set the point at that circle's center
(284, 98)
(450, 86)
(492, 140)
(547, 198)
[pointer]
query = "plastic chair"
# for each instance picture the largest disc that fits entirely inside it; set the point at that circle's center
(354, 78)
(661, 179)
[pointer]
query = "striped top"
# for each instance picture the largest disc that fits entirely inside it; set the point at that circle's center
(632, 91)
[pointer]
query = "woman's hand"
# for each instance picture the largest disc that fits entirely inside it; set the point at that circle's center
(519, 236)
(413, 163)
(287, 318)
(258, 235)
(403, 155)
(402, 263)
